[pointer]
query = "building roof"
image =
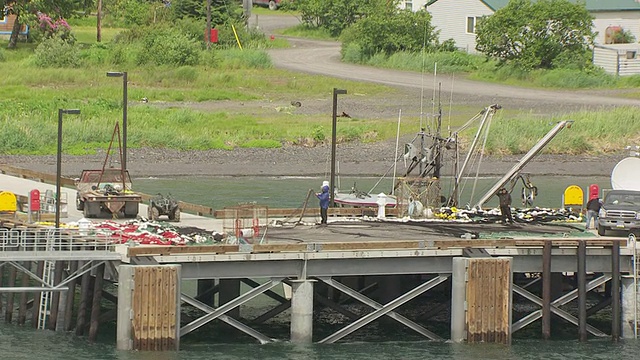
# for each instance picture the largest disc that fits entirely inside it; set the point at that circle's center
(592, 5)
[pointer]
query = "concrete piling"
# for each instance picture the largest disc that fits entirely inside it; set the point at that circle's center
(302, 311)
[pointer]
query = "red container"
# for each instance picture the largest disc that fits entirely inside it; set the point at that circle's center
(214, 35)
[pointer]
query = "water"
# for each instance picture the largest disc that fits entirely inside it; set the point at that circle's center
(18, 342)
(22, 343)
(291, 192)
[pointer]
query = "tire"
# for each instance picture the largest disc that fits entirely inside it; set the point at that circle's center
(154, 214)
(602, 231)
(273, 5)
(176, 215)
(79, 204)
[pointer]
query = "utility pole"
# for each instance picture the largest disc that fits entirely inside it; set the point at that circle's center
(99, 22)
(208, 24)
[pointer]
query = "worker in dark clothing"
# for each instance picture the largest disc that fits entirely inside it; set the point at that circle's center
(324, 203)
(505, 205)
(593, 208)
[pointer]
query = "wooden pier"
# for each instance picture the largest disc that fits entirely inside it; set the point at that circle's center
(383, 274)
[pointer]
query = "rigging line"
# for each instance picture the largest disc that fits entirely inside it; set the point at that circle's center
(424, 46)
(450, 104)
(484, 144)
(395, 162)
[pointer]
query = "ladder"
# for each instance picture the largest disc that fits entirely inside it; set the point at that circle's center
(47, 280)
(632, 241)
(45, 296)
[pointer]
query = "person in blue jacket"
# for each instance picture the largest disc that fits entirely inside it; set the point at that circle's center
(324, 203)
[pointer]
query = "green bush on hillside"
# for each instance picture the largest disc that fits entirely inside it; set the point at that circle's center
(57, 53)
(169, 48)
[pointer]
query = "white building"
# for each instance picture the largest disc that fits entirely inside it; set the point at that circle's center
(456, 19)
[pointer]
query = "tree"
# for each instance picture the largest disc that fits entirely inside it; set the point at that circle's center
(337, 15)
(388, 33)
(26, 12)
(533, 35)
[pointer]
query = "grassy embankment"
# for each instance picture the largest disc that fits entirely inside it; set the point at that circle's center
(32, 95)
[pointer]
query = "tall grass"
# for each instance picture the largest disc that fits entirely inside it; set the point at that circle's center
(591, 132)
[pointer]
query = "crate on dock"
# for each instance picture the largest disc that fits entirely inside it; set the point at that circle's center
(246, 223)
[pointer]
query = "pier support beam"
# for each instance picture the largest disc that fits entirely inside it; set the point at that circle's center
(630, 306)
(229, 289)
(458, 300)
(302, 311)
(582, 291)
(615, 292)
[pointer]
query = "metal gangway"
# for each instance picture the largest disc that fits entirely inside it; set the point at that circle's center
(52, 247)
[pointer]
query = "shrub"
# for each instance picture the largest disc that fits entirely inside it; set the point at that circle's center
(169, 48)
(352, 53)
(97, 54)
(56, 52)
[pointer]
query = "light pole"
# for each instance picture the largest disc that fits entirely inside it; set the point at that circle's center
(59, 160)
(336, 92)
(124, 113)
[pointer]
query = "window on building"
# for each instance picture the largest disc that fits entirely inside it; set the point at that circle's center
(631, 55)
(472, 23)
(408, 5)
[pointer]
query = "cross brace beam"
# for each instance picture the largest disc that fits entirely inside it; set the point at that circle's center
(214, 313)
(563, 300)
(382, 310)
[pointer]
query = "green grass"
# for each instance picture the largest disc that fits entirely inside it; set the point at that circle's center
(88, 34)
(592, 132)
(32, 96)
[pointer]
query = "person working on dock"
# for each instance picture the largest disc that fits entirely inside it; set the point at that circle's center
(324, 203)
(505, 205)
(593, 208)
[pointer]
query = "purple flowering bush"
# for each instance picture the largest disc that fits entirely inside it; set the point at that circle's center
(58, 28)
(57, 46)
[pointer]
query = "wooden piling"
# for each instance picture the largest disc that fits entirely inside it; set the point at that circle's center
(8, 314)
(615, 292)
(71, 295)
(546, 291)
(35, 309)
(582, 290)
(488, 293)
(55, 296)
(85, 286)
(152, 295)
(24, 282)
(95, 305)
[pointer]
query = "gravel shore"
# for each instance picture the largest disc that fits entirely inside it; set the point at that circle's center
(354, 160)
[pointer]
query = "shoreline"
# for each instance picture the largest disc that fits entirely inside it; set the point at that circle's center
(366, 160)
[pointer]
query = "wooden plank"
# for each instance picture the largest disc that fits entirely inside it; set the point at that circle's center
(136, 307)
(173, 307)
(173, 250)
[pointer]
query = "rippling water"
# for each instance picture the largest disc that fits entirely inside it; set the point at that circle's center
(22, 343)
(290, 192)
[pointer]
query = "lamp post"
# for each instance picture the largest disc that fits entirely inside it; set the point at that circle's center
(124, 113)
(336, 92)
(59, 160)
